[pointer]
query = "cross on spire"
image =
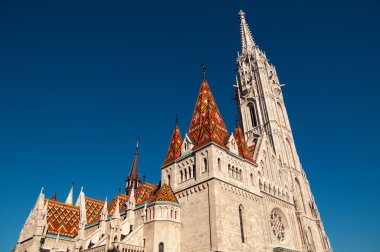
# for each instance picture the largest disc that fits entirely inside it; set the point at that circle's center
(204, 71)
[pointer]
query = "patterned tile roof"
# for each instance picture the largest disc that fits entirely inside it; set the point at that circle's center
(62, 218)
(207, 124)
(93, 209)
(122, 206)
(164, 193)
(242, 144)
(174, 150)
(144, 192)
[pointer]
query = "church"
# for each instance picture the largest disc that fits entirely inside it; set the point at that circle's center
(244, 191)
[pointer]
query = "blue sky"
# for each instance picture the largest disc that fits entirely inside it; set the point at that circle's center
(79, 80)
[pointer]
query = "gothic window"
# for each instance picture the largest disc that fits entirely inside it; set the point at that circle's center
(277, 224)
(161, 247)
(290, 153)
(185, 174)
(281, 115)
(181, 176)
(194, 174)
(229, 170)
(189, 172)
(205, 165)
(219, 165)
(253, 114)
(241, 217)
(251, 178)
(168, 179)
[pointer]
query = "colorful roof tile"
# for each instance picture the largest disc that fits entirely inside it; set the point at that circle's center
(242, 144)
(62, 218)
(123, 199)
(144, 192)
(164, 193)
(93, 209)
(174, 150)
(207, 124)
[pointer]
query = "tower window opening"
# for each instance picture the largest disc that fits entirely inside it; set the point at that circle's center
(205, 164)
(253, 114)
(219, 165)
(161, 247)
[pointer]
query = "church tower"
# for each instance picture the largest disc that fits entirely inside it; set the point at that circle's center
(267, 131)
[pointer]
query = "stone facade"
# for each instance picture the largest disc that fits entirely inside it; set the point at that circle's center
(241, 192)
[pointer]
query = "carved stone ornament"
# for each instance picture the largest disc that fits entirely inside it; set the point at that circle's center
(277, 225)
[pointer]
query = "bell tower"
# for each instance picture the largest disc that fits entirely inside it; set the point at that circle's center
(259, 97)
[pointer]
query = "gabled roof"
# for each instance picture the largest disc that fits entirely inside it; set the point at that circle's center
(174, 150)
(93, 209)
(164, 193)
(144, 192)
(62, 218)
(242, 144)
(123, 199)
(206, 123)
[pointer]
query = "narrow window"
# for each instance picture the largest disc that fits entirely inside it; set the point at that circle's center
(251, 179)
(241, 223)
(205, 164)
(161, 247)
(194, 174)
(219, 164)
(252, 112)
(168, 179)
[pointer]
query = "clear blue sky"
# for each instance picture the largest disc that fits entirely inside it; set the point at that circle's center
(79, 80)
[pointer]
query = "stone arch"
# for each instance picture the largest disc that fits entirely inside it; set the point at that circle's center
(300, 194)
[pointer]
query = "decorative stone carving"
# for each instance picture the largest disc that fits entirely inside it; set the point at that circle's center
(277, 225)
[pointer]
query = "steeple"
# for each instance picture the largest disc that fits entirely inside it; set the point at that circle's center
(247, 42)
(206, 123)
(69, 199)
(133, 180)
(174, 150)
(104, 213)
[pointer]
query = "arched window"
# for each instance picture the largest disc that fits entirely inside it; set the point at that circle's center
(161, 247)
(241, 223)
(253, 114)
(205, 164)
(189, 172)
(251, 178)
(168, 179)
(219, 165)
(181, 176)
(299, 192)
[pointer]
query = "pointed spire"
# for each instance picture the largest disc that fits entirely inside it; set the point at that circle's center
(207, 124)
(133, 180)
(247, 41)
(82, 209)
(104, 213)
(241, 143)
(116, 214)
(69, 199)
(174, 150)
(40, 200)
(54, 197)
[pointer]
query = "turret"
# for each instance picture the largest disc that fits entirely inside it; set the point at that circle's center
(133, 181)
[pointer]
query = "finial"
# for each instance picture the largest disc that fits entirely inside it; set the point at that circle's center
(54, 196)
(72, 184)
(42, 190)
(81, 189)
(204, 71)
(241, 14)
(176, 119)
(137, 143)
(119, 189)
(144, 178)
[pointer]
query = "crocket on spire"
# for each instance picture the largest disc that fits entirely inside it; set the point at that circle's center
(206, 123)
(174, 150)
(133, 180)
(247, 42)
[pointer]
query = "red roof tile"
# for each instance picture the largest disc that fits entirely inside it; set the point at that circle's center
(62, 218)
(174, 150)
(207, 124)
(242, 144)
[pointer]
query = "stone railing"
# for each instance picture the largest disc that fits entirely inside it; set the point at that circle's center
(96, 249)
(130, 248)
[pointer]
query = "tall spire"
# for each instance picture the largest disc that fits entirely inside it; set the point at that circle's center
(69, 199)
(174, 150)
(247, 42)
(133, 180)
(207, 124)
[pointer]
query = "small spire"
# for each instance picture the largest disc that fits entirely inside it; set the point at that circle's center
(116, 214)
(69, 199)
(104, 213)
(204, 71)
(54, 196)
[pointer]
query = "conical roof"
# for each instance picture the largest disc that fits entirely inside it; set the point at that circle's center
(207, 124)
(242, 144)
(174, 150)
